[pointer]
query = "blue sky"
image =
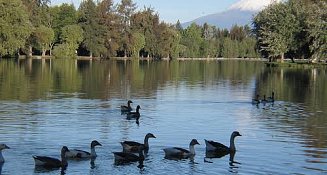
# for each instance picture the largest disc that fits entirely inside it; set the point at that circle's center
(172, 10)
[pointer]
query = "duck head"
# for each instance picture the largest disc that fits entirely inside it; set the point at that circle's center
(194, 142)
(129, 101)
(4, 146)
(64, 149)
(150, 135)
(95, 143)
(235, 134)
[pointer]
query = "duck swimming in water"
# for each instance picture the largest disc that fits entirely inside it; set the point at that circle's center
(2, 147)
(181, 153)
(131, 146)
(127, 108)
(127, 157)
(75, 153)
(218, 147)
(49, 162)
(272, 98)
(256, 100)
(135, 114)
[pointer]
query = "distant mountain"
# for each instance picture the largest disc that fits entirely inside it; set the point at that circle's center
(224, 19)
(240, 13)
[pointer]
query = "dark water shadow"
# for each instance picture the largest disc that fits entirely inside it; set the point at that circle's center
(43, 169)
(1, 165)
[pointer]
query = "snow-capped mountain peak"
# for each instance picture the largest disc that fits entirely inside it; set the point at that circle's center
(251, 5)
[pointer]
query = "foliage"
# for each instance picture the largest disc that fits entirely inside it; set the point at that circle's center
(71, 37)
(14, 26)
(138, 42)
(120, 30)
(296, 28)
(275, 27)
(93, 31)
(44, 37)
(317, 29)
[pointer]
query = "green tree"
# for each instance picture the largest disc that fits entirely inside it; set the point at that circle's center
(14, 26)
(71, 37)
(138, 43)
(108, 18)
(61, 16)
(317, 29)
(38, 14)
(274, 28)
(44, 37)
(192, 39)
(94, 32)
(125, 10)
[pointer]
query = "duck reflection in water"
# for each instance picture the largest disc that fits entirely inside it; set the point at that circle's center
(1, 164)
(127, 158)
(42, 169)
(92, 163)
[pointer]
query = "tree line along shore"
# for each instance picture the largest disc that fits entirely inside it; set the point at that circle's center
(102, 29)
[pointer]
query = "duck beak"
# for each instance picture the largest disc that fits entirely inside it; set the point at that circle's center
(239, 135)
(7, 147)
(99, 144)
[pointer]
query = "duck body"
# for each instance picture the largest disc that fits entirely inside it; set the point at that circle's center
(127, 157)
(127, 108)
(212, 146)
(134, 115)
(50, 162)
(272, 98)
(131, 146)
(264, 100)
(47, 161)
(256, 100)
(2, 147)
(176, 152)
(76, 153)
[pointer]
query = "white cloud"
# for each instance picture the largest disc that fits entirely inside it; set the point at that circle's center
(252, 5)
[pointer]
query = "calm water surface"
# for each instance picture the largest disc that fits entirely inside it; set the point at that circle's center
(45, 105)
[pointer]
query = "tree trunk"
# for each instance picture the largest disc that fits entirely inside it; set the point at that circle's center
(282, 58)
(91, 54)
(43, 52)
(30, 51)
(50, 51)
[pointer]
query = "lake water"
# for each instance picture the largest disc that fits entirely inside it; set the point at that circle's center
(48, 104)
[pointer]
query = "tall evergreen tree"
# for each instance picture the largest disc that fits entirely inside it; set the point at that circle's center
(94, 32)
(126, 9)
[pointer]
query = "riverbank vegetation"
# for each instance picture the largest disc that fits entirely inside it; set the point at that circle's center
(292, 29)
(104, 29)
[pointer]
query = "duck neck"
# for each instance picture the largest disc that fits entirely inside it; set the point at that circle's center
(1, 157)
(146, 142)
(93, 153)
(192, 150)
(64, 162)
(232, 144)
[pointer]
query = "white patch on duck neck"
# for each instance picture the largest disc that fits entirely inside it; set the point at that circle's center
(192, 150)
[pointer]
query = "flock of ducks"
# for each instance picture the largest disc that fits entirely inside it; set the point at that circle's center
(257, 101)
(129, 148)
